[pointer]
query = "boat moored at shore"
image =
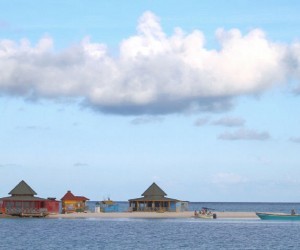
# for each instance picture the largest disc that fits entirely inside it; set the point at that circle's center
(205, 213)
(278, 216)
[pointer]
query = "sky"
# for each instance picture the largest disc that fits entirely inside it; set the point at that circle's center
(104, 98)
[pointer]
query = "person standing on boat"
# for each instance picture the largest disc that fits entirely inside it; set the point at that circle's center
(293, 212)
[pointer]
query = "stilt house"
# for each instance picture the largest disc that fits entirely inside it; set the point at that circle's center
(23, 202)
(154, 199)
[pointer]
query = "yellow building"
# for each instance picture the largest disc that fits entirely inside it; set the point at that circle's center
(72, 203)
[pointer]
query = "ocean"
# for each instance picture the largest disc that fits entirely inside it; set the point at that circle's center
(191, 233)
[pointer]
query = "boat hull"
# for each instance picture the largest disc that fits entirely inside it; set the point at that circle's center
(274, 216)
(204, 216)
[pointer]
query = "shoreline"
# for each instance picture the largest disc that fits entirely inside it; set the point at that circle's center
(154, 215)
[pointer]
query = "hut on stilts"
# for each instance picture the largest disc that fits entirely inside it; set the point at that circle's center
(154, 200)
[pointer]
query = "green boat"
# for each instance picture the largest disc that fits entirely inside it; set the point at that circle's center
(278, 216)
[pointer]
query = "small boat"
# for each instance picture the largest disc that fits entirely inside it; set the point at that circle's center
(205, 213)
(205, 216)
(106, 206)
(278, 216)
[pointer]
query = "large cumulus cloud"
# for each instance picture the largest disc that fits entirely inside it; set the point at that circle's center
(153, 73)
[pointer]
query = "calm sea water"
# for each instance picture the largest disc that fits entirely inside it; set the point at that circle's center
(26, 233)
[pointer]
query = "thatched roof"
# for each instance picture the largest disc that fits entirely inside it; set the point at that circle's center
(22, 198)
(22, 189)
(154, 193)
(154, 190)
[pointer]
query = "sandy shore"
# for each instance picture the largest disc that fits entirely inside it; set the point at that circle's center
(150, 215)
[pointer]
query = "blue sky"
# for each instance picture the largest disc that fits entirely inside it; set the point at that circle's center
(103, 98)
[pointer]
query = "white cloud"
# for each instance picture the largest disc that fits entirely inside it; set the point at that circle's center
(230, 122)
(245, 134)
(293, 61)
(201, 121)
(154, 73)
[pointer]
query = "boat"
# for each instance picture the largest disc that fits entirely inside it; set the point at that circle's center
(206, 216)
(205, 213)
(106, 206)
(278, 216)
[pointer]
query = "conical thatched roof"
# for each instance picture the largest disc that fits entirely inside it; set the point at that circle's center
(154, 190)
(153, 193)
(22, 189)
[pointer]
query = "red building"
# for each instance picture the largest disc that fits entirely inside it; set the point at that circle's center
(23, 202)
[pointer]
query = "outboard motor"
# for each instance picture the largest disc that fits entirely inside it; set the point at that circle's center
(214, 216)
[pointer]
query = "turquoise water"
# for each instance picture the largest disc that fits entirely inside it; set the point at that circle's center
(191, 233)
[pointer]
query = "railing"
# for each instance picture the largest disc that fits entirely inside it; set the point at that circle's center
(151, 209)
(68, 210)
(20, 211)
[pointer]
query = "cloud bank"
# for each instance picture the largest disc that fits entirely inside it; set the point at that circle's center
(153, 73)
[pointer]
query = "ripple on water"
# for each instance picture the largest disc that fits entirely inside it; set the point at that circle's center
(147, 234)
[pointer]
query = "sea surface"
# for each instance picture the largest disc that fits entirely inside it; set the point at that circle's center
(191, 233)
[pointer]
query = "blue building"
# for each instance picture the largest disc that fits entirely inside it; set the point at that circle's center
(106, 206)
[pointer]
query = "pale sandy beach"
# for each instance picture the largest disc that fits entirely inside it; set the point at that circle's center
(150, 215)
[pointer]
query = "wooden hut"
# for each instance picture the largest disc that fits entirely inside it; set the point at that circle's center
(72, 203)
(154, 199)
(23, 202)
